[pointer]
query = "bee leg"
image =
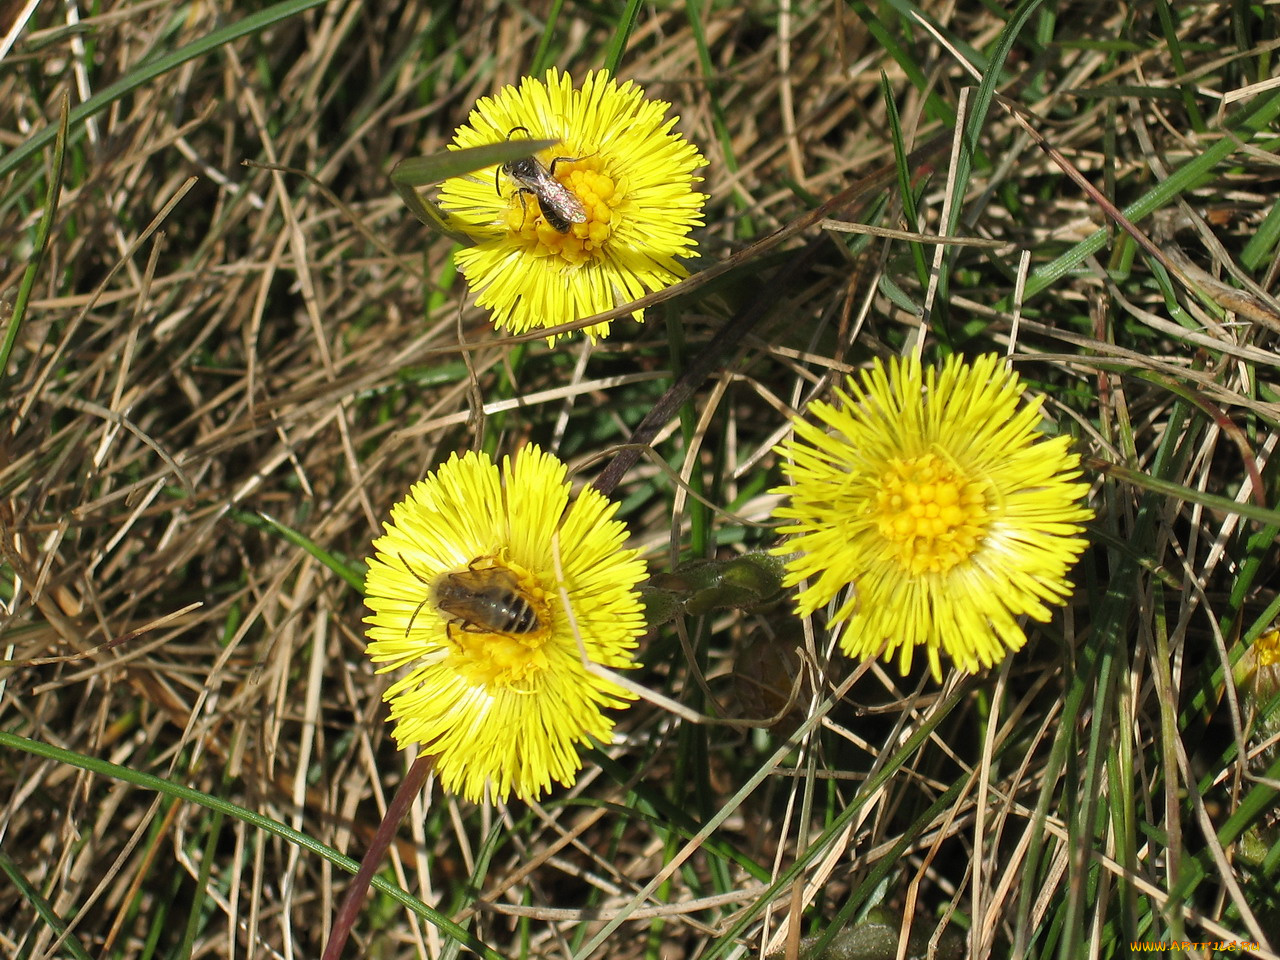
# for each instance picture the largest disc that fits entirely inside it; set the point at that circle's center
(421, 603)
(414, 616)
(524, 193)
(524, 212)
(552, 169)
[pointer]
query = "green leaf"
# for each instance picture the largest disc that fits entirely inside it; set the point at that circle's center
(413, 172)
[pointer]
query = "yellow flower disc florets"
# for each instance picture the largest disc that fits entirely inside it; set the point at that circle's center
(930, 515)
(1267, 647)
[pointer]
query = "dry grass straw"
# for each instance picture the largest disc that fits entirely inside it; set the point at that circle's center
(208, 343)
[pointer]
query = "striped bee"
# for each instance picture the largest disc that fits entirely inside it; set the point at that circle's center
(486, 600)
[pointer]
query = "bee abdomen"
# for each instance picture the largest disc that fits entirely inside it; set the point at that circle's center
(487, 600)
(521, 617)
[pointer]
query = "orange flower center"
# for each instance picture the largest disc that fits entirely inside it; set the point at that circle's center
(587, 186)
(932, 515)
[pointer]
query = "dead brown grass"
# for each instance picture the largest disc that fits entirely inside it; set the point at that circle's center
(209, 342)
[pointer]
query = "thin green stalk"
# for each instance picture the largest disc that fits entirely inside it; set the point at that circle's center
(42, 907)
(910, 213)
(621, 36)
(542, 58)
(694, 13)
(43, 229)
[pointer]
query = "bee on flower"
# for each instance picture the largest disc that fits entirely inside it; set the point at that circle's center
(929, 498)
(464, 592)
(599, 220)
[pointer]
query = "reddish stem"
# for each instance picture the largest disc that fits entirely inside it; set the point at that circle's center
(354, 899)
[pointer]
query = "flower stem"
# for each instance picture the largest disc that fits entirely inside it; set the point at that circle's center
(354, 899)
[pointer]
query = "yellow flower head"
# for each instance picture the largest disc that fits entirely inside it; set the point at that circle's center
(1267, 647)
(928, 493)
(618, 186)
(463, 589)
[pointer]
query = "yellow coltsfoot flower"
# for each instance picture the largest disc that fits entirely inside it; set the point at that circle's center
(464, 591)
(934, 497)
(600, 220)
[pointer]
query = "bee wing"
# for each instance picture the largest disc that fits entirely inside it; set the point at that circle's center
(567, 202)
(551, 192)
(487, 580)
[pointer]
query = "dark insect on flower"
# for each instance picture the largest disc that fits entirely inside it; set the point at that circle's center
(560, 208)
(486, 600)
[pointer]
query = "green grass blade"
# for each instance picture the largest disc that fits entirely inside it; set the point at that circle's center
(1244, 122)
(542, 58)
(353, 575)
(887, 37)
(1174, 46)
(695, 12)
(621, 36)
(910, 213)
(43, 229)
(910, 11)
(980, 103)
(979, 107)
(42, 907)
(1263, 241)
(207, 860)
